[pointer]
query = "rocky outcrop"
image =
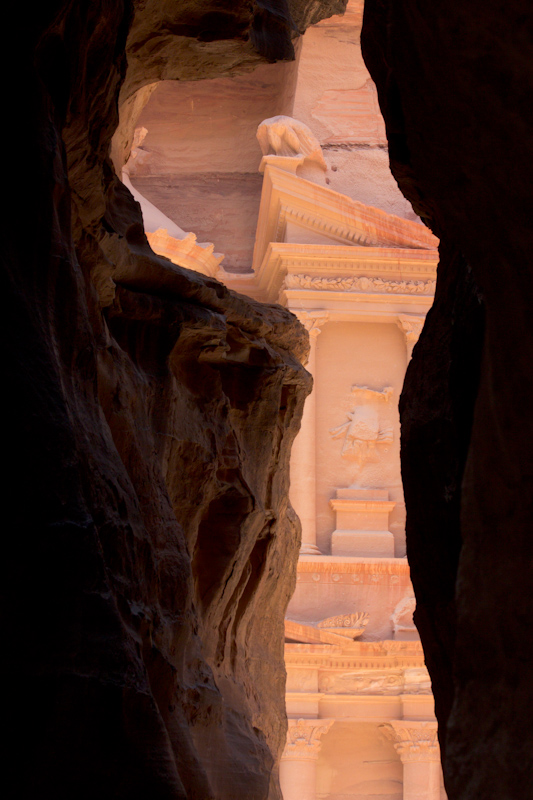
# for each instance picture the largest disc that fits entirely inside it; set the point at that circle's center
(454, 80)
(149, 414)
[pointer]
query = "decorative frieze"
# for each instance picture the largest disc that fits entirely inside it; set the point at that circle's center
(304, 737)
(393, 572)
(359, 284)
(394, 682)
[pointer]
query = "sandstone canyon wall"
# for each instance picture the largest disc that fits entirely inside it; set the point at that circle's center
(455, 81)
(149, 417)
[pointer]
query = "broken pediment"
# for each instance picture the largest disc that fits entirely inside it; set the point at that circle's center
(340, 629)
(287, 200)
(350, 625)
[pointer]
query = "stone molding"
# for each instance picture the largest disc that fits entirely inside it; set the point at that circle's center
(391, 263)
(413, 740)
(380, 272)
(366, 565)
(393, 571)
(304, 738)
(367, 285)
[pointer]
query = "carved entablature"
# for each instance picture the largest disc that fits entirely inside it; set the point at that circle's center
(413, 741)
(304, 737)
(366, 285)
(395, 681)
(363, 431)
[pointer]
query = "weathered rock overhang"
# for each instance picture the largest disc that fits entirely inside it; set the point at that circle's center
(150, 414)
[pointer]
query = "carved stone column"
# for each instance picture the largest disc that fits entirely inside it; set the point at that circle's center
(418, 747)
(297, 770)
(411, 326)
(303, 458)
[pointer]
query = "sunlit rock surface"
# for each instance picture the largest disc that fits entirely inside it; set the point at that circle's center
(149, 415)
(455, 81)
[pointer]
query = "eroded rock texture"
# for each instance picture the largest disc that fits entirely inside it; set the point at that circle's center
(149, 414)
(455, 81)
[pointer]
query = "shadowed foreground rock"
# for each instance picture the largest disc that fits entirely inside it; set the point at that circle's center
(149, 417)
(455, 81)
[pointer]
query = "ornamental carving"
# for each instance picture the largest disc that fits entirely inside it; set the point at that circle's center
(413, 741)
(359, 284)
(313, 321)
(412, 681)
(362, 683)
(349, 625)
(363, 431)
(411, 325)
(303, 737)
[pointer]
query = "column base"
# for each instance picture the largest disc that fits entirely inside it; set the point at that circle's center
(309, 550)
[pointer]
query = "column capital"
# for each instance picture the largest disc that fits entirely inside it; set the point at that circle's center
(411, 326)
(313, 321)
(304, 738)
(413, 740)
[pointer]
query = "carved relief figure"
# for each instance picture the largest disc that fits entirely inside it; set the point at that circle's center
(363, 431)
(402, 618)
(285, 136)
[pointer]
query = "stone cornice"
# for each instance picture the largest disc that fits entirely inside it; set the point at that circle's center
(324, 274)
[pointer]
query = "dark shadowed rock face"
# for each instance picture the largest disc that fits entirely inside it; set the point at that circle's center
(455, 81)
(148, 418)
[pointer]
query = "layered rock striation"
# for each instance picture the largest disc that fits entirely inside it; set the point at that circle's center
(149, 417)
(454, 82)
